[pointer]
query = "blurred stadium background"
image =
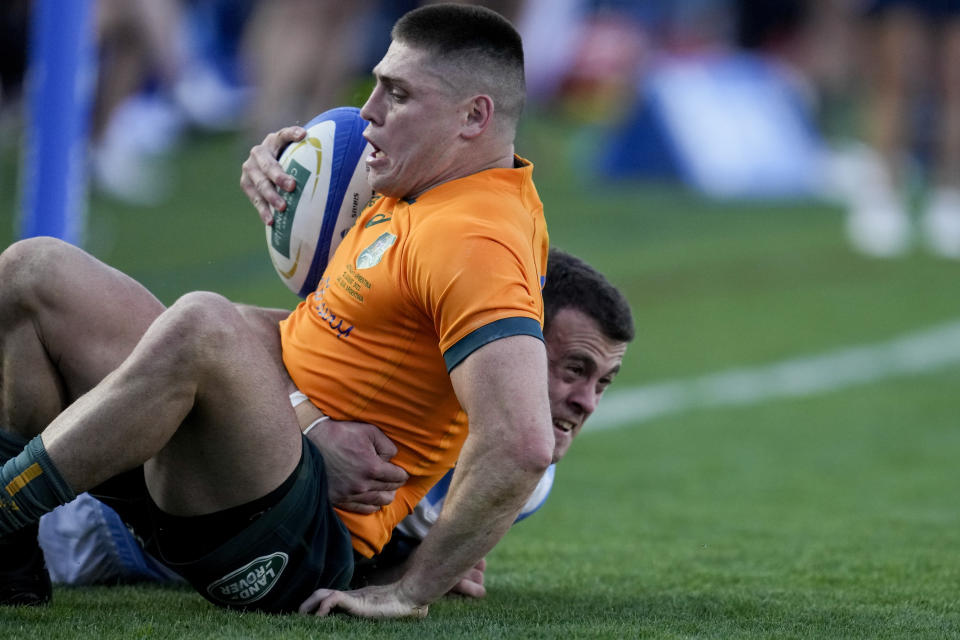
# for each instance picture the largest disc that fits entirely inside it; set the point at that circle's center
(777, 455)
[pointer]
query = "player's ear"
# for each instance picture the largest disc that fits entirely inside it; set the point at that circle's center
(479, 115)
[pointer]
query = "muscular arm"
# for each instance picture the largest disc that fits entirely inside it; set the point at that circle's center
(503, 388)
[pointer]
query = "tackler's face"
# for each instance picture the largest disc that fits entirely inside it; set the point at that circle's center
(415, 121)
(582, 363)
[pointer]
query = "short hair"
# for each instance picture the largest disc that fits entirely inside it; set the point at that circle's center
(480, 45)
(572, 283)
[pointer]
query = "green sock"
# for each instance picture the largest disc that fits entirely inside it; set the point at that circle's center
(30, 486)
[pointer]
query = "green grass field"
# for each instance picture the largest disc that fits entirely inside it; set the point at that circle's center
(829, 515)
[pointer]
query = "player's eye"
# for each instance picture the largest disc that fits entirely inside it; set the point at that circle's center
(575, 370)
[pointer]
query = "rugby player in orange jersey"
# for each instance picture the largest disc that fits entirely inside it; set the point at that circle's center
(587, 324)
(180, 417)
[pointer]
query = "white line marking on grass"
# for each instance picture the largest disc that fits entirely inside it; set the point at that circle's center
(912, 353)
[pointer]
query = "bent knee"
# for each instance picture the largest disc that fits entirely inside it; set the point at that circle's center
(31, 266)
(205, 318)
(37, 251)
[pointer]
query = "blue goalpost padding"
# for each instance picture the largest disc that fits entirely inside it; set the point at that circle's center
(61, 79)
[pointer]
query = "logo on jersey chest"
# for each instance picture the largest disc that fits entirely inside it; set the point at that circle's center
(377, 219)
(372, 255)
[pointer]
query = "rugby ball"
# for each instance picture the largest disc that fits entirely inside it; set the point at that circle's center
(331, 175)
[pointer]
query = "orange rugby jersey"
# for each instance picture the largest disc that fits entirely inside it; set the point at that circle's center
(412, 290)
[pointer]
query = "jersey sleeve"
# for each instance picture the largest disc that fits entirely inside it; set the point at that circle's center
(478, 284)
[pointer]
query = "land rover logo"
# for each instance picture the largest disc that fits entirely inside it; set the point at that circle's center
(250, 582)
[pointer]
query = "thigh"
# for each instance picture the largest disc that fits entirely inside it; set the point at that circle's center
(66, 321)
(86, 315)
(238, 437)
(264, 323)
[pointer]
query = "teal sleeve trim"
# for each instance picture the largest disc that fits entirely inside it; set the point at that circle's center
(488, 333)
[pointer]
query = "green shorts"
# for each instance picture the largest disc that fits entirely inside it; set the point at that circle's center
(276, 561)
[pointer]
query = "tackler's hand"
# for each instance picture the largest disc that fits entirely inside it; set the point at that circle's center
(471, 584)
(357, 457)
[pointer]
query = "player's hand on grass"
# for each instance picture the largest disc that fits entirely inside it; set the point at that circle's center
(357, 457)
(262, 174)
(471, 584)
(385, 601)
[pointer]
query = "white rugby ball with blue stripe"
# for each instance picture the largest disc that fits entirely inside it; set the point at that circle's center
(331, 175)
(425, 514)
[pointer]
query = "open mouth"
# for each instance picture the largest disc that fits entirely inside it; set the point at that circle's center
(563, 425)
(376, 152)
